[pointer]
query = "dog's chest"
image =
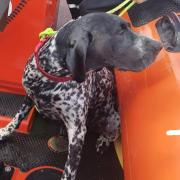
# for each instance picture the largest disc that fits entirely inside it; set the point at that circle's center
(53, 99)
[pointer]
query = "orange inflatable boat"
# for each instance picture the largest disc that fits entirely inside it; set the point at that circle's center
(149, 108)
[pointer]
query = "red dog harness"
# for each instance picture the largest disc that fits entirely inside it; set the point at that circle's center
(49, 76)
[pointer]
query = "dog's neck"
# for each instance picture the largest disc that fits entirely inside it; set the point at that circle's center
(50, 61)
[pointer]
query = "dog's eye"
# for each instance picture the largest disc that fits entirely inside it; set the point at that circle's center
(123, 26)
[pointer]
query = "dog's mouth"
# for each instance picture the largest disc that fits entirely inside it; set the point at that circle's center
(150, 57)
(142, 62)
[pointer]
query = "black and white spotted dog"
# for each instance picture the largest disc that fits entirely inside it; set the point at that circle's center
(84, 50)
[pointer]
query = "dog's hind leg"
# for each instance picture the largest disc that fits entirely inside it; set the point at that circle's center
(110, 133)
(76, 136)
(21, 114)
(109, 122)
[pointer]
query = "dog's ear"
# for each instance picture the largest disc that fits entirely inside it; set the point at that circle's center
(76, 54)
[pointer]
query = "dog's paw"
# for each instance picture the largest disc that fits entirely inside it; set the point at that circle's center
(102, 144)
(3, 133)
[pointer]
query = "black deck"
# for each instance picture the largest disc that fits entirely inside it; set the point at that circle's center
(10, 103)
(29, 151)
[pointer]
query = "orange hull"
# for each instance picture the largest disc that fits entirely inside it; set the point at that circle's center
(150, 106)
(19, 39)
(19, 175)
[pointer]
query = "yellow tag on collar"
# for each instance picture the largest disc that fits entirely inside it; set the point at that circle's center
(47, 33)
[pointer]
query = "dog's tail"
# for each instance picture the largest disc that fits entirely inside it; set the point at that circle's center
(21, 114)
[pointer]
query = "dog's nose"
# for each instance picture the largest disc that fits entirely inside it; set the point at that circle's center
(158, 46)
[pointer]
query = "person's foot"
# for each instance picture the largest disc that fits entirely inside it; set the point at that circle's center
(58, 144)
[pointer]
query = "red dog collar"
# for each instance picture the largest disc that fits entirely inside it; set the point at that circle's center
(51, 77)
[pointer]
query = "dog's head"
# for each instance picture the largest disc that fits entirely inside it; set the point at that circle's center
(100, 40)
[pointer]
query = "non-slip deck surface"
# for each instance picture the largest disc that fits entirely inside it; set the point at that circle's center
(30, 151)
(10, 103)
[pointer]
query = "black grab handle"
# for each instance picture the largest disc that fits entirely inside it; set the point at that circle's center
(168, 28)
(4, 6)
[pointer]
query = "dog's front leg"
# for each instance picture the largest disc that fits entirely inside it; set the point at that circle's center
(76, 136)
(21, 114)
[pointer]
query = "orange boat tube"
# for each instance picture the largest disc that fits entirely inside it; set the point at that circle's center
(150, 110)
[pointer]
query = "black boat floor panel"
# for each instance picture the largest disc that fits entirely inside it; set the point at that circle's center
(10, 103)
(29, 151)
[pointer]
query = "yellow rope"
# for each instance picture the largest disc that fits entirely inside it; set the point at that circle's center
(121, 6)
(50, 32)
(127, 8)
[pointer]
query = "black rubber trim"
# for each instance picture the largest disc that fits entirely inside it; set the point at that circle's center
(150, 10)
